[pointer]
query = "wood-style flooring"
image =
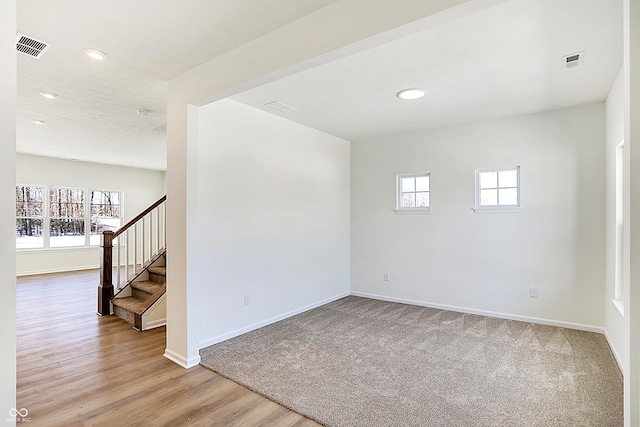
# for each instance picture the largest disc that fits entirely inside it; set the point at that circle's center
(76, 368)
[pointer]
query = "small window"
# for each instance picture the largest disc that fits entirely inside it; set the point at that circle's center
(413, 193)
(498, 189)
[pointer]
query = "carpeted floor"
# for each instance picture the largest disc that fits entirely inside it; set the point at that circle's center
(363, 362)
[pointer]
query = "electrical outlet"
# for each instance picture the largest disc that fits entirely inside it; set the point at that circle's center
(533, 292)
(386, 277)
(246, 299)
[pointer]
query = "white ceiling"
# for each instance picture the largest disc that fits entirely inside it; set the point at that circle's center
(499, 62)
(148, 42)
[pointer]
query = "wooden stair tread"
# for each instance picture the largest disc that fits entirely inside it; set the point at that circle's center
(131, 304)
(143, 295)
(146, 286)
(158, 270)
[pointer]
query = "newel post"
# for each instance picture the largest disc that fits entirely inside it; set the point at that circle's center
(105, 289)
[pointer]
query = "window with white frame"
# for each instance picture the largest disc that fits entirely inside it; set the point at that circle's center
(105, 213)
(56, 217)
(498, 189)
(413, 193)
(66, 217)
(29, 217)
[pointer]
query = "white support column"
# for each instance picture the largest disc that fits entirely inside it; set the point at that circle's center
(182, 337)
(632, 138)
(8, 65)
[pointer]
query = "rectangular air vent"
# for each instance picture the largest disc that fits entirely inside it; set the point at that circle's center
(572, 61)
(280, 106)
(30, 46)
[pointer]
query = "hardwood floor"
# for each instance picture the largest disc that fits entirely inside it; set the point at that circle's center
(79, 369)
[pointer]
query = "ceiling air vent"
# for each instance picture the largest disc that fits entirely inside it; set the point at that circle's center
(572, 61)
(30, 46)
(280, 106)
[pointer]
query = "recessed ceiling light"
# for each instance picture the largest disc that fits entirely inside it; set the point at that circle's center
(38, 122)
(73, 159)
(95, 54)
(136, 164)
(412, 93)
(142, 112)
(49, 95)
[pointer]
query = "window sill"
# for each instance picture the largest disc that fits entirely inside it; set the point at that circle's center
(619, 304)
(426, 211)
(59, 249)
(496, 210)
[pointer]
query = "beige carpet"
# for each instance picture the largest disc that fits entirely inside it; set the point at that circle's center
(363, 362)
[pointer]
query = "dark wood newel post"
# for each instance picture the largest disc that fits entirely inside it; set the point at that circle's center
(105, 289)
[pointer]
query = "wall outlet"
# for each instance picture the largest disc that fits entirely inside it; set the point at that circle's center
(386, 277)
(533, 292)
(246, 299)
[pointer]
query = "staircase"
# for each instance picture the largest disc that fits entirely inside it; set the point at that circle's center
(142, 301)
(135, 258)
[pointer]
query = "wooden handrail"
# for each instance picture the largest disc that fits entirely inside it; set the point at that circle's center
(105, 288)
(139, 217)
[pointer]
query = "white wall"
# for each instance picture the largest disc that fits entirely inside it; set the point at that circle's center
(8, 66)
(272, 220)
(140, 188)
(614, 322)
(487, 262)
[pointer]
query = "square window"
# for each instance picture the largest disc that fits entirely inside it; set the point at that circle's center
(413, 193)
(498, 189)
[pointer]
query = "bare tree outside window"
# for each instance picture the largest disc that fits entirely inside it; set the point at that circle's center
(66, 217)
(54, 217)
(105, 213)
(29, 217)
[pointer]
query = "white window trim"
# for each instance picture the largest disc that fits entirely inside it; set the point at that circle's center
(496, 209)
(411, 211)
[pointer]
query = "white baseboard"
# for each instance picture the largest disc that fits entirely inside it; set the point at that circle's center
(507, 316)
(155, 324)
(238, 332)
(616, 356)
(181, 360)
